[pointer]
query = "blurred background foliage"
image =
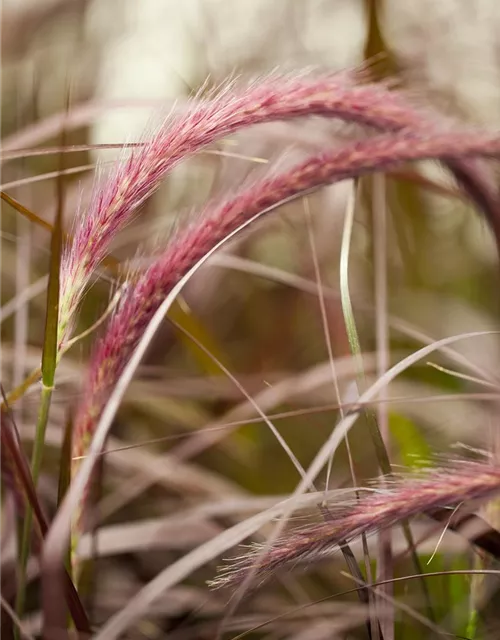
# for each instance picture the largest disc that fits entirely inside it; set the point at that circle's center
(121, 62)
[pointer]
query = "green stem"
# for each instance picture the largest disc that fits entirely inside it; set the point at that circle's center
(36, 463)
(355, 346)
(472, 623)
(352, 334)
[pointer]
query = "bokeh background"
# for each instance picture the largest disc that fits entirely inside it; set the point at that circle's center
(104, 70)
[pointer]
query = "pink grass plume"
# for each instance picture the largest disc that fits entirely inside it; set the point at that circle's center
(388, 504)
(117, 197)
(143, 296)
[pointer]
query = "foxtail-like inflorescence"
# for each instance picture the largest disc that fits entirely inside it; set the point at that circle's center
(387, 504)
(413, 135)
(136, 177)
(142, 298)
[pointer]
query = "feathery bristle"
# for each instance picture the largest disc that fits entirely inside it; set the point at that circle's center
(395, 501)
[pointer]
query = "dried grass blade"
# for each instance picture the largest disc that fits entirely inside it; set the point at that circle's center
(32, 217)
(177, 571)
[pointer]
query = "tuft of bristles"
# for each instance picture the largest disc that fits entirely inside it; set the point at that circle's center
(413, 136)
(142, 298)
(116, 199)
(393, 501)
